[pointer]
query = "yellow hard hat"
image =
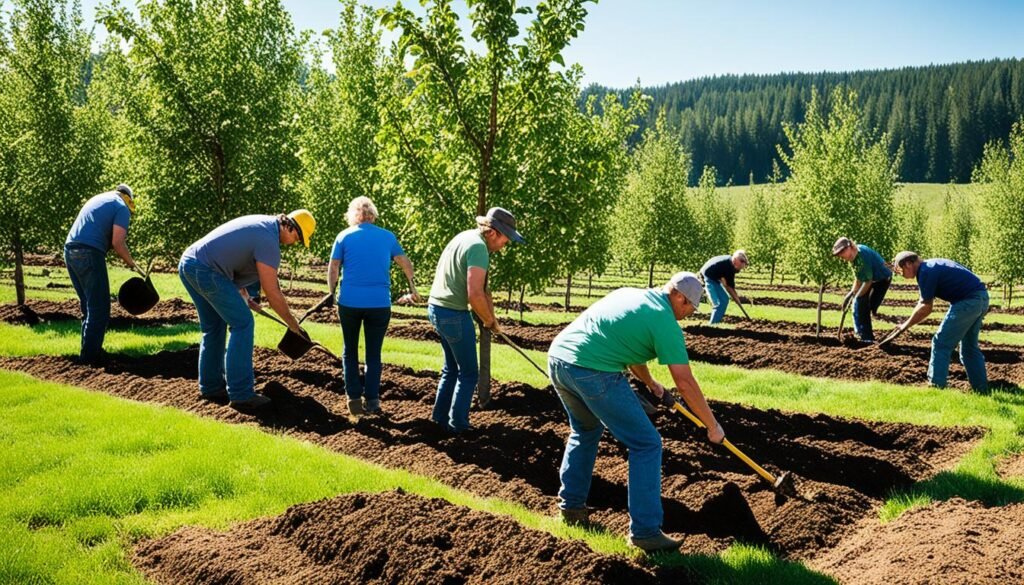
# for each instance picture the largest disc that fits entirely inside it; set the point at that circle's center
(307, 225)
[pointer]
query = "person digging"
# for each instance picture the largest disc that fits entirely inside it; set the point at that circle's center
(871, 282)
(587, 363)
(101, 224)
(968, 302)
(720, 279)
(218, 272)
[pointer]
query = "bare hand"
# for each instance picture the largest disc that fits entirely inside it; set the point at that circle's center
(254, 304)
(494, 327)
(717, 434)
(657, 389)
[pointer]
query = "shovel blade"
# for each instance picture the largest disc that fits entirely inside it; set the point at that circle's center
(785, 486)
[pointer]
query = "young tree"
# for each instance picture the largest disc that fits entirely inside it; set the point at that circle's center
(842, 183)
(1001, 176)
(465, 131)
(911, 221)
(209, 90)
(51, 147)
(953, 237)
(715, 219)
(760, 233)
(653, 223)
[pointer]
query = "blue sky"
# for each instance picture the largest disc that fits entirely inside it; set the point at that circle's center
(662, 41)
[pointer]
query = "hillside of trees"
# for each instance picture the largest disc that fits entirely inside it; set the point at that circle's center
(941, 115)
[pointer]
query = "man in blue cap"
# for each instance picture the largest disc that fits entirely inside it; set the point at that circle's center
(101, 224)
(871, 281)
(968, 303)
(587, 363)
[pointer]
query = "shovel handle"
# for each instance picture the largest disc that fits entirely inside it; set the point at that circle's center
(728, 445)
(522, 353)
(740, 305)
(316, 307)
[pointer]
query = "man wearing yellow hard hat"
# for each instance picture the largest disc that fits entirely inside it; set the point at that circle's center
(218, 270)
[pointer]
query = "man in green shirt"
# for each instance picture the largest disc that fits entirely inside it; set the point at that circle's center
(587, 363)
(871, 281)
(459, 284)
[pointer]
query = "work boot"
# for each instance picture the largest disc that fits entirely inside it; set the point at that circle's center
(249, 404)
(658, 542)
(575, 516)
(372, 407)
(216, 395)
(355, 407)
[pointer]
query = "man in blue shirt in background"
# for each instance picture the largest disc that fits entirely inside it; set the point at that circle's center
(968, 303)
(102, 224)
(871, 281)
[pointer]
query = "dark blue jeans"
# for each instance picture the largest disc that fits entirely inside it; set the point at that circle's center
(864, 306)
(88, 269)
(460, 372)
(376, 322)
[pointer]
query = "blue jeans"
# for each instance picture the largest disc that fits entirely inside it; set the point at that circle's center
(595, 400)
(460, 372)
(864, 306)
(719, 301)
(961, 325)
(220, 307)
(376, 321)
(87, 267)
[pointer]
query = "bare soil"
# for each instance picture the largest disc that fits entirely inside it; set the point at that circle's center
(1012, 466)
(37, 312)
(390, 537)
(844, 468)
(950, 543)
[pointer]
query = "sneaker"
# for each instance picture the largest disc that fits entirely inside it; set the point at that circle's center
(575, 516)
(257, 401)
(658, 542)
(372, 407)
(221, 394)
(355, 407)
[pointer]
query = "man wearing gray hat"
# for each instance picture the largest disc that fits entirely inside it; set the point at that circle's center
(871, 280)
(968, 303)
(101, 224)
(459, 284)
(587, 363)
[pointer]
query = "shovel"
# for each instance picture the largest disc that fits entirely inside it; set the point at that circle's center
(842, 320)
(294, 345)
(319, 305)
(782, 485)
(522, 353)
(740, 305)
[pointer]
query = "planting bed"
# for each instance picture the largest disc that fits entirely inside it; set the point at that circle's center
(355, 539)
(844, 467)
(36, 312)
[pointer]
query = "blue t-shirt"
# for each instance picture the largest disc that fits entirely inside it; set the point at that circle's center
(365, 252)
(95, 223)
(947, 280)
(868, 265)
(234, 248)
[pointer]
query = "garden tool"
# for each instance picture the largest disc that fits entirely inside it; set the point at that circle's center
(319, 305)
(294, 345)
(522, 353)
(896, 333)
(842, 319)
(740, 305)
(782, 485)
(138, 295)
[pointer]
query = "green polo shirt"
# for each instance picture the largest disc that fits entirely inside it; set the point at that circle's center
(463, 252)
(630, 326)
(869, 265)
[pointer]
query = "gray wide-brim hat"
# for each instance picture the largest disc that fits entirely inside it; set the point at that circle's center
(689, 285)
(840, 245)
(503, 221)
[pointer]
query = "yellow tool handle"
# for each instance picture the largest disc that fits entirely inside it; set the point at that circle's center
(728, 445)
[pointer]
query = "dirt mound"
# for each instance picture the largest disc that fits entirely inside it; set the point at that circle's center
(35, 312)
(845, 467)
(949, 542)
(379, 538)
(1012, 466)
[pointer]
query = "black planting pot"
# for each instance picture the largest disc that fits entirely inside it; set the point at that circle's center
(137, 295)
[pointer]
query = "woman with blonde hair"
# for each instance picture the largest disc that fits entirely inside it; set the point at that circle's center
(361, 258)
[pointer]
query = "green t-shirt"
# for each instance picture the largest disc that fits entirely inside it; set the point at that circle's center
(630, 326)
(869, 265)
(466, 250)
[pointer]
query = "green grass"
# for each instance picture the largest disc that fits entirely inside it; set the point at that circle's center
(78, 486)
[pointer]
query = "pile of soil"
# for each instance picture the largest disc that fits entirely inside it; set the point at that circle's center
(792, 347)
(845, 468)
(1012, 466)
(380, 538)
(951, 542)
(172, 311)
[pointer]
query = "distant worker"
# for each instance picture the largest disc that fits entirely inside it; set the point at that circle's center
(968, 303)
(362, 254)
(587, 363)
(221, 272)
(101, 224)
(459, 284)
(871, 281)
(720, 279)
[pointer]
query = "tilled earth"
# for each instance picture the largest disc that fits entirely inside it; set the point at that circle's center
(355, 539)
(845, 468)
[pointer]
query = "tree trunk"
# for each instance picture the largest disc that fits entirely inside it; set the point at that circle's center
(568, 291)
(19, 273)
(1009, 297)
(821, 294)
(650, 276)
(522, 293)
(590, 285)
(771, 279)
